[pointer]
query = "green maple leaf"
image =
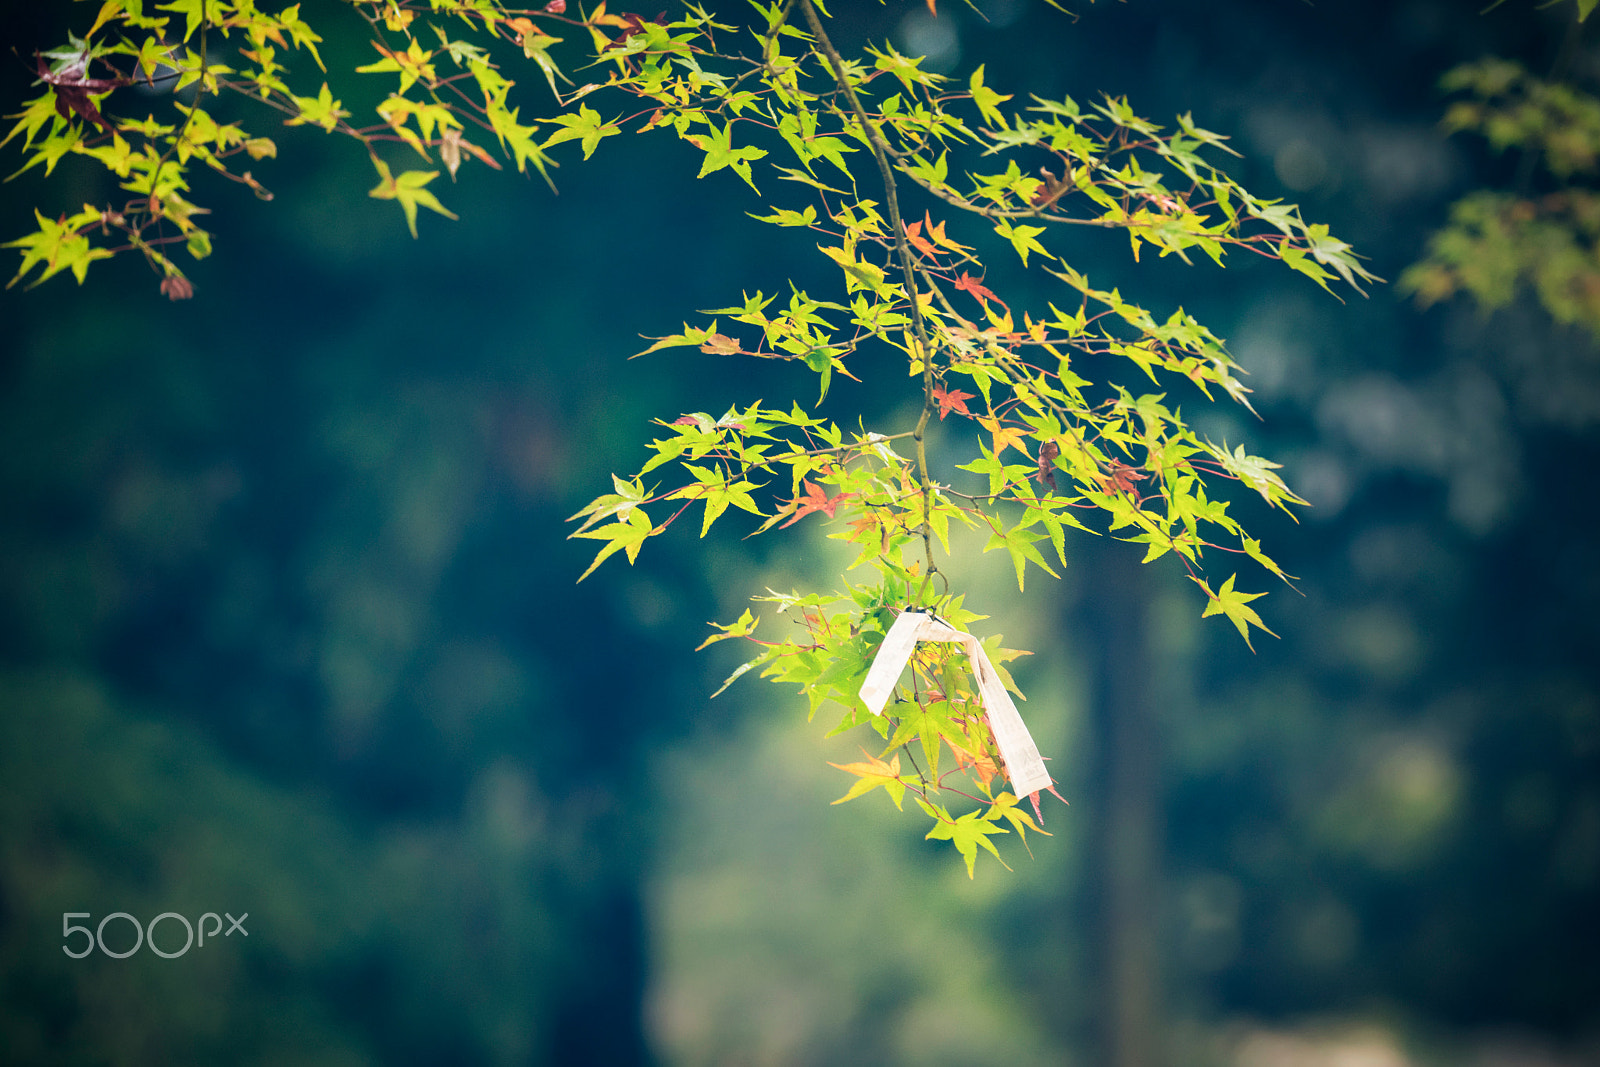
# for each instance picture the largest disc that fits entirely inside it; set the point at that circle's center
(320, 110)
(628, 535)
(628, 496)
(1022, 239)
(719, 150)
(300, 33)
(1257, 474)
(987, 99)
(59, 246)
(31, 120)
(966, 833)
(412, 65)
(586, 125)
(739, 628)
(1005, 806)
(518, 138)
(928, 723)
(717, 493)
(194, 13)
(1019, 543)
(1235, 605)
(408, 189)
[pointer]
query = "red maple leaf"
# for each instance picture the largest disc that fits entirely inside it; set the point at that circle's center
(816, 499)
(1123, 476)
(72, 87)
(1051, 190)
(632, 24)
(967, 283)
(952, 400)
(1034, 796)
(1047, 468)
(177, 287)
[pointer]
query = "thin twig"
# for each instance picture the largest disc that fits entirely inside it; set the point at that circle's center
(880, 152)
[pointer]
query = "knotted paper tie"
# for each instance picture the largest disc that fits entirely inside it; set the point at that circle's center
(1023, 762)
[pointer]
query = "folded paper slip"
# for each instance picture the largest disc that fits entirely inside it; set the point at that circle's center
(1021, 755)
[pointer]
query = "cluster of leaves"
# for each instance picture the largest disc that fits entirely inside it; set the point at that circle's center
(1061, 441)
(1499, 241)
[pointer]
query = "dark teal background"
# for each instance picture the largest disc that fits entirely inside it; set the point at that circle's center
(288, 624)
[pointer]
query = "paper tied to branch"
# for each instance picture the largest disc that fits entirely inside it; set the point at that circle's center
(1023, 763)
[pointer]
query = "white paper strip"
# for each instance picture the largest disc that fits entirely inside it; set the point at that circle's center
(1023, 762)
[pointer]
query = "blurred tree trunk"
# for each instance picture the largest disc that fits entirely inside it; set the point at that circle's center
(1130, 826)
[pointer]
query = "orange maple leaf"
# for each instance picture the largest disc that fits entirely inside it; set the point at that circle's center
(920, 243)
(1005, 436)
(871, 774)
(816, 499)
(937, 236)
(981, 762)
(968, 284)
(952, 400)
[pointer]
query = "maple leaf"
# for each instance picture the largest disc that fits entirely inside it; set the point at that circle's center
(873, 773)
(719, 344)
(1235, 605)
(1047, 467)
(72, 87)
(450, 145)
(927, 722)
(987, 99)
(1051, 190)
(952, 400)
(1005, 436)
(58, 245)
(967, 283)
(412, 65)
(1257, 473)
(628, 536)
(937, 236)
(1123, 476)
(816, 499)
(1034, 797)
(861, 526)
(920, 243)
(320, 110)
(586, 126)
(982, 764)
(966, 833)
(177, 287)
(1005, 807)
(1022, 239)
(408, 189)
(719, 150)
(739, 628)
